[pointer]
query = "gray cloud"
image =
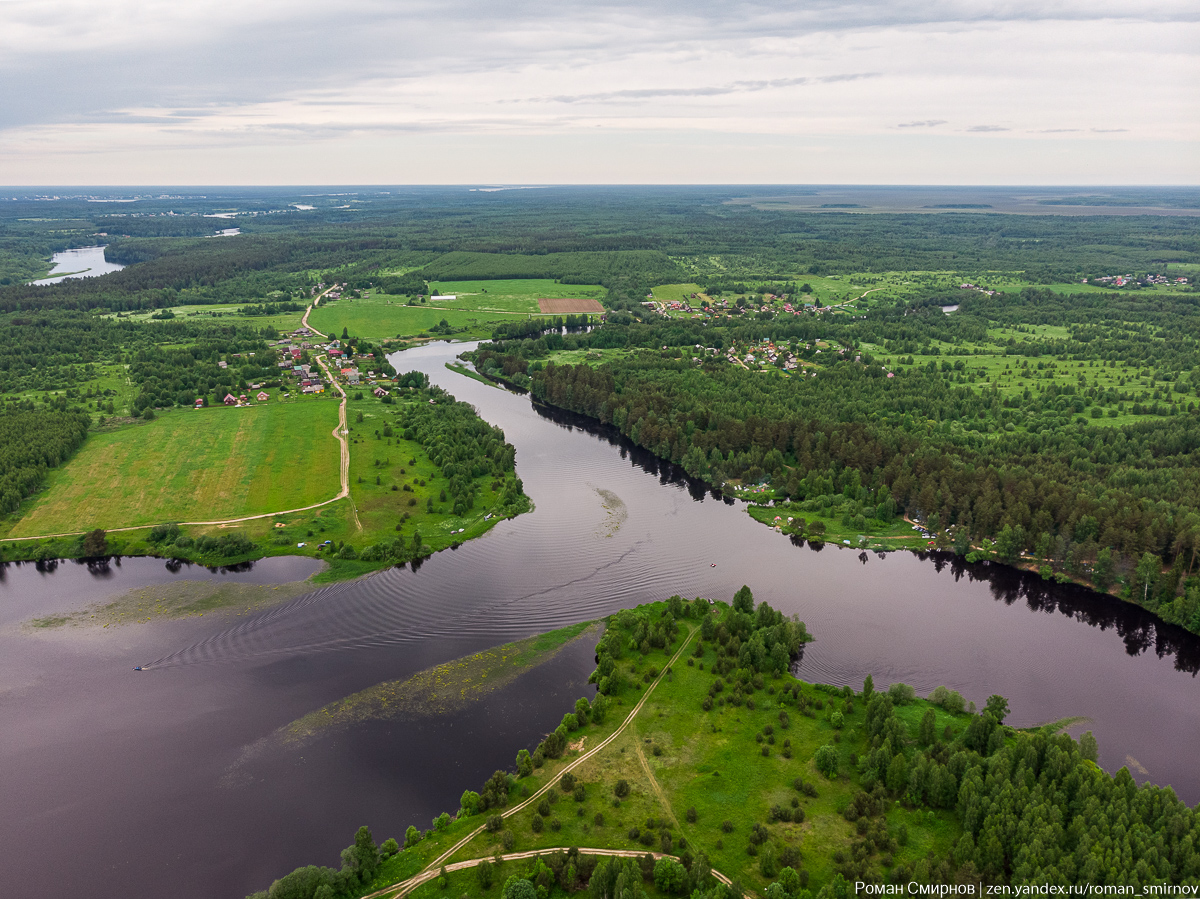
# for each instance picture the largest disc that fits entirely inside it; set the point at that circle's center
(735, 87)
(135, 77)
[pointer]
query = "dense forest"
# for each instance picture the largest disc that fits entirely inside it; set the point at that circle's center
(1023, 471)
(934, 438)
(31, 443)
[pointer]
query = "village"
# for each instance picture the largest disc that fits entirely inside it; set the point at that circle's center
(1144, 281)
(301, 373)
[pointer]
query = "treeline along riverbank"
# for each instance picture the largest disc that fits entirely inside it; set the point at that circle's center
(1020, 475)
(701, 753)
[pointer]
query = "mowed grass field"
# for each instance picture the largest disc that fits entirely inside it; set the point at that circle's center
(381, 317)
(192, 465)
(477, 306)
(513, 295)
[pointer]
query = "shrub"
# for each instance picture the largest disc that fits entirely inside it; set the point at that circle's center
(901, 693)
(827, 760)
(494, 823)
(621, 788)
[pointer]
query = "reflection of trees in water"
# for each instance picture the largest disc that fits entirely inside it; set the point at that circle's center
(100, 568)
(668, 473)
(1137, 628)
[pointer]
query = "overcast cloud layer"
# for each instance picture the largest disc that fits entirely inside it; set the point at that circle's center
(466, 91)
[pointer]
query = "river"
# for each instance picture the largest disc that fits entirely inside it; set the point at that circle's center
(82, 262)
(166, 780)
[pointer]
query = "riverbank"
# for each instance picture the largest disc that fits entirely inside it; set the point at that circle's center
(400, 502)
(751, 772)
(1171, 594)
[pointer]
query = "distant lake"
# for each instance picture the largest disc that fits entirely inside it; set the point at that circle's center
(82, 262)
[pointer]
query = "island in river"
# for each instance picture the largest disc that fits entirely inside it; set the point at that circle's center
(700, 767)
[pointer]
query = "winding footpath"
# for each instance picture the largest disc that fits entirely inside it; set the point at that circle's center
(429, 874)
(432, 869)
(340, 433)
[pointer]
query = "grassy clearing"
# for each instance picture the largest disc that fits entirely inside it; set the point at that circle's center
(677, 293)
(987, 367)
(224, 312)
(381, 317)
(391, 477)
(190, 465)
(513, 296)
(833, 528)
(701, 777)
(478, 306)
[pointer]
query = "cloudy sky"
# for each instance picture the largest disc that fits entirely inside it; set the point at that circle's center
(468, 91)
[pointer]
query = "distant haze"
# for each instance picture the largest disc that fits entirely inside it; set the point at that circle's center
(462, 91)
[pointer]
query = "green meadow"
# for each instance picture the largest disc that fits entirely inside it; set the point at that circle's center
(192, 465)
(517, 295)
(476, 308)
(691, 776)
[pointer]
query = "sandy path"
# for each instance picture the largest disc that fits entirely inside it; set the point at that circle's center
(431, 868)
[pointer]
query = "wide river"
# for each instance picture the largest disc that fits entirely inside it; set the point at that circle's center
(82, 262)
(119, 783)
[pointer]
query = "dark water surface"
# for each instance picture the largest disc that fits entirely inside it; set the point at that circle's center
(160, 781)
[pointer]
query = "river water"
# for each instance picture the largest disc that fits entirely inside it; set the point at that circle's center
(164, 780)
(82, 262)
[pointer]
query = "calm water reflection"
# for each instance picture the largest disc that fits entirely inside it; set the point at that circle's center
(132, 770)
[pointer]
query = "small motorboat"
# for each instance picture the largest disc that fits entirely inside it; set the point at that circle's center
(713, 565)
(139, 668)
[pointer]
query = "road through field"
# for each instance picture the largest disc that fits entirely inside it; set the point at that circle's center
(340, 432)
(304, 321)
(431, 869)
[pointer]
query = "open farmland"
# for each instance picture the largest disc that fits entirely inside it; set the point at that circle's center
(193, 465)
(514, 295)
(567, 306)
(476, 308)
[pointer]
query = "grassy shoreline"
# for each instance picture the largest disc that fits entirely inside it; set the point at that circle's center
(762, 774)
